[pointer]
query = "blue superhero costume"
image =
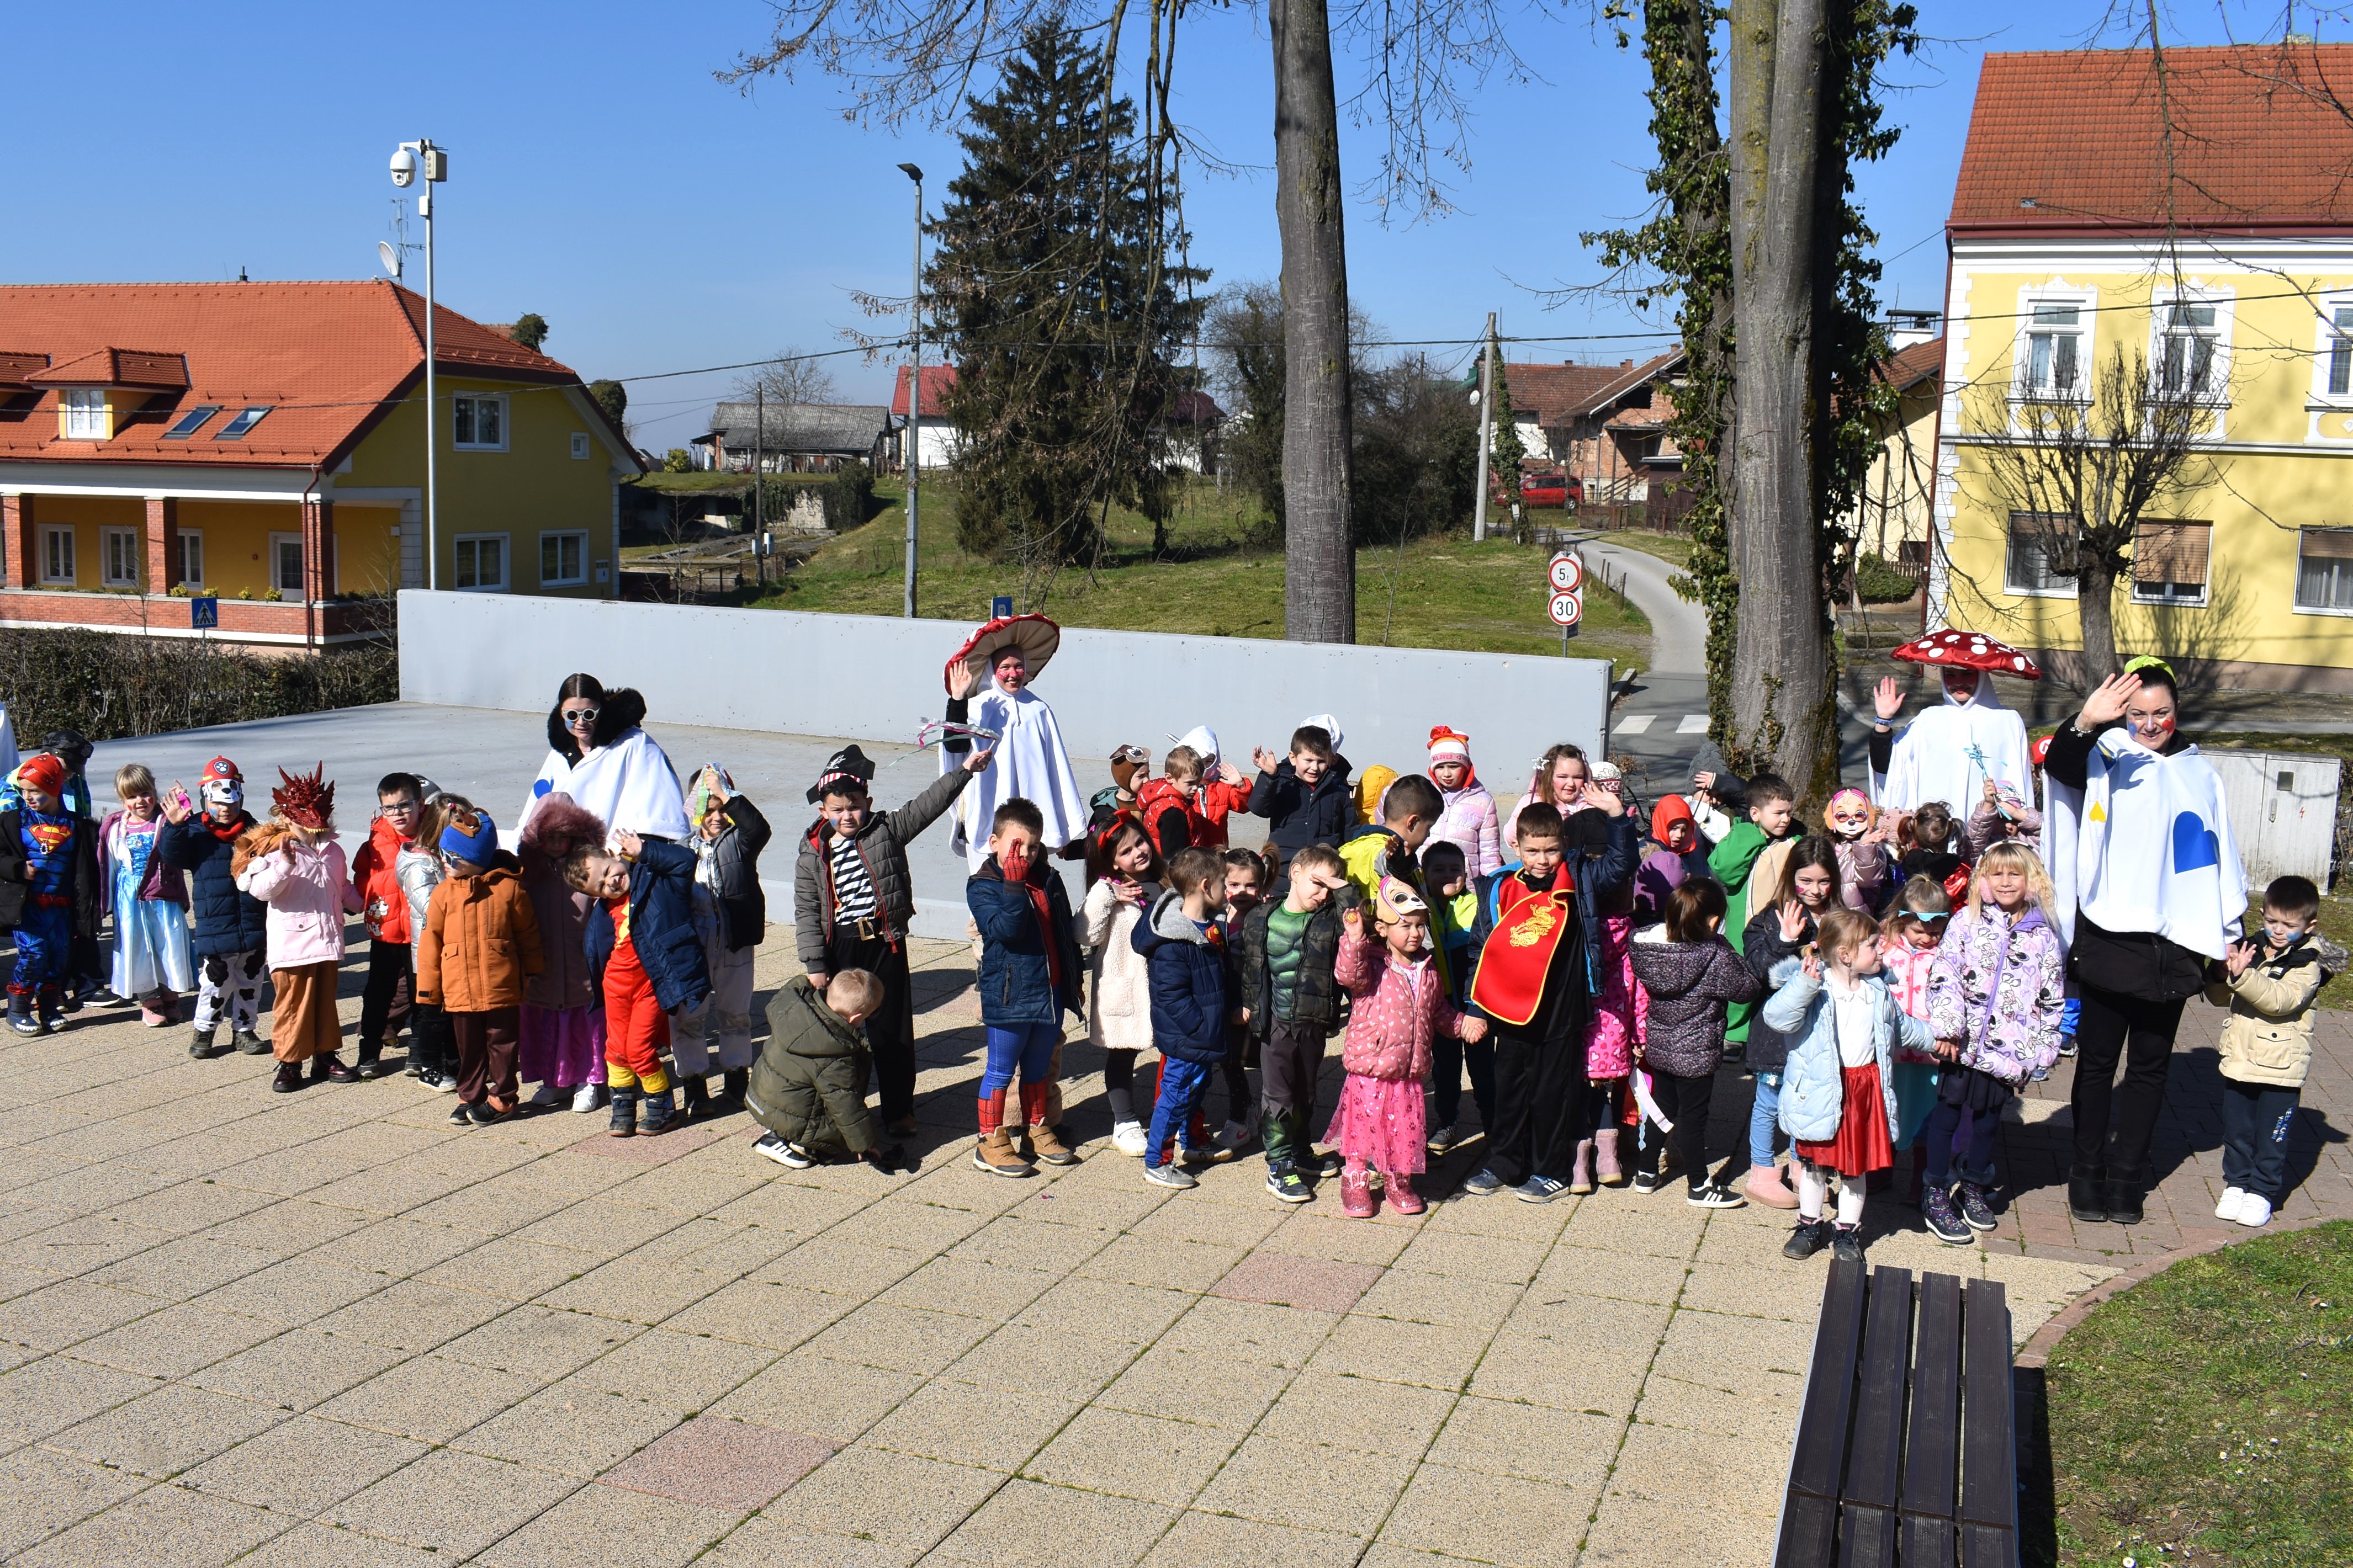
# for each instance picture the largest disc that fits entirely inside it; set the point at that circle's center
(44, 929)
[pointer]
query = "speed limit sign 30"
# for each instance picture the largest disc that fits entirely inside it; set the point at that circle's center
(1567, 609)
(1566, 575)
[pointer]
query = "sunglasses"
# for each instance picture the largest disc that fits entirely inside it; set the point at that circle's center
(578, 716)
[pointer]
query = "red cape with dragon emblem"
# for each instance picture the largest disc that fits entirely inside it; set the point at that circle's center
(1509, 986)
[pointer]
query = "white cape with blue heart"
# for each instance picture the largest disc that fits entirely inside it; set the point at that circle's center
(629, 784)
(2146, 847)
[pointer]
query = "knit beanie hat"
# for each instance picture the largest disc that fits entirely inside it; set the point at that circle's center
(1446, 746)
(44, 771)
(476, 846)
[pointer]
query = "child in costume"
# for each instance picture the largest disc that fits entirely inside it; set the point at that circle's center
(392, 972)
(432, 1058)
(649, 963)
(1786, 921)
(808, 1087)
(481, 941)
(563, 1020)
(731, 913)
(1934, 850)
(1453, 910)
(1838, 1102)
(1183, 947)
(2004, 816)
(1864, 867)
(293, 863)
(1400, 1010)
(1029, 978)
(1468, 815)
(1610, 1033)
(232, 926)
(2270, 987)
(150, 898)
(47, 893)
(1994, 1000)
(1289, 995)
(1907, 954)
(1675, 855)
(1126, 872)
(1771, 810)
(1690, 976)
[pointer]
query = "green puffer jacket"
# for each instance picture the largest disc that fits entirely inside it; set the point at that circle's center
(809, 1085)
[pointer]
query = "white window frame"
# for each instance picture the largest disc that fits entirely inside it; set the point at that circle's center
(460, 564)
(51, 533)
(132, 543)
(191, 543)
(2057, 296)
(2216, 392)
(580, 444)
(2205, 589)
(85, 412)
(2067, 588)
(2295, 593)
(301, 556)
(579, 577)
(2332, 325)
(479, 400)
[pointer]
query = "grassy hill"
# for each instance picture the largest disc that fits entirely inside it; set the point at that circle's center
(1221, 577)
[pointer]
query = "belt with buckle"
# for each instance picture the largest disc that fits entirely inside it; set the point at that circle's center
(868, 928)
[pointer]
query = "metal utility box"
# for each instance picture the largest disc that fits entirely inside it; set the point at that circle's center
(2282, 812)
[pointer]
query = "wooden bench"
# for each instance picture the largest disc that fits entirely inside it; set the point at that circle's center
(1906, 1453)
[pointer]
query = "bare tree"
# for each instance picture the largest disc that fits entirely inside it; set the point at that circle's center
(2079, 469)
(791, 377)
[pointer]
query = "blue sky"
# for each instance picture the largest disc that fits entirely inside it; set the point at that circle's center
(661, 221)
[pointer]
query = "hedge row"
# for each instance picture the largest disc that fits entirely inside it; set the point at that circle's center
(109, 685)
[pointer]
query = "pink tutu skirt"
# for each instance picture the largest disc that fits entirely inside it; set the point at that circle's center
(1610, 1037)
(562, 1046)
(1380, 1122)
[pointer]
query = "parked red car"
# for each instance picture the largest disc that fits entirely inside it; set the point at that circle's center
(1551, 489)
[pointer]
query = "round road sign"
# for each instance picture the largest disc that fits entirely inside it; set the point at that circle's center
(1567, 574)
(1567, 609)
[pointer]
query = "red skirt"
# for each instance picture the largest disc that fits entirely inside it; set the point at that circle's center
(1862, 1144)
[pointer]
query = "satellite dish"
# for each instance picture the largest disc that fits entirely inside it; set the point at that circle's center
(388, 256)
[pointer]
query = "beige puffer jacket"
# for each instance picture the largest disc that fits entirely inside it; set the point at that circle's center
(1118, 984)
(2269, 1037)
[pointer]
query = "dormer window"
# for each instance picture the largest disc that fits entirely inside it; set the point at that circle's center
(85, 414)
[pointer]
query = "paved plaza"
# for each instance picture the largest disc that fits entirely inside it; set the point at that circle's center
(328, 1328)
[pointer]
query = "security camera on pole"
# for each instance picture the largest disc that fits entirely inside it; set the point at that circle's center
(406, 160)
(1566, 577)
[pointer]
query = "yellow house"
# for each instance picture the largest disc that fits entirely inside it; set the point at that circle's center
(2199, 235)
(1890, 515)
(263, 444)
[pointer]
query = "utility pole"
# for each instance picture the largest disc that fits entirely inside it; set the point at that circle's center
(759, 480)
(1486, 423)
(914, 452)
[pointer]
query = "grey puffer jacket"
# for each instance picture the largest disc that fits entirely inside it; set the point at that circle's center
(883, 842)
(1690, 985)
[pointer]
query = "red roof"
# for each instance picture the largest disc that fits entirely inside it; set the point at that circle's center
(2075, 142)
(937, 379)
(329, 360)
(1908, 367)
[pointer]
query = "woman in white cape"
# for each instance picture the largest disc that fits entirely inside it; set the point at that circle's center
(1030, 759)
(1948, 751)
(597, 754)
(2150, 888)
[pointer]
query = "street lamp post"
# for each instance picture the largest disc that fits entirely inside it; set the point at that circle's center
(915, 453)
(435, 162)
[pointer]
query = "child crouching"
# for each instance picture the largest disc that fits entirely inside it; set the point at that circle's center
(481, 941)
(809, 1086)
(1401, 1009)
(1838, 1096)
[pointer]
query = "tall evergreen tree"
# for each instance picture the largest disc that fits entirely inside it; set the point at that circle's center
(1053, 289)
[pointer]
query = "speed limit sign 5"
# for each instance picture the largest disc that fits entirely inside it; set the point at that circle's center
(1567, 609)
(1567, 575)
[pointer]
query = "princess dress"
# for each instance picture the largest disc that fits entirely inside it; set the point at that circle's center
(151, 933)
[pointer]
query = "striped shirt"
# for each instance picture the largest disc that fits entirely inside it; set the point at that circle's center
(853, 889)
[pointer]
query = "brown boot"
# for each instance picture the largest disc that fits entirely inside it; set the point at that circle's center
(1037, 1105)
(994, 1153)
(1605, 1158)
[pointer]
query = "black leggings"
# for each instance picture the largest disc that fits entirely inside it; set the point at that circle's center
(2141, 1033)
(1119, 1085)
(1685, 1103)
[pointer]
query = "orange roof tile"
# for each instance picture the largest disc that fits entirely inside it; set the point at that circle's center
(2075, 142)
(330, 359)
(937, 379)
(1907, 367)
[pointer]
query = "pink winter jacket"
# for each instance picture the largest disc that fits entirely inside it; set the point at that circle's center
(1399, 1011)
(1467, 818)
(309, 891)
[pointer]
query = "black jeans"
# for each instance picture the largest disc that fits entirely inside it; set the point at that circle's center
(2140, 1033)
(1685, 1101)
(890, 1029)
(385, 1006)
(1539, 1094)
(2256, 1119)
(430, 1048)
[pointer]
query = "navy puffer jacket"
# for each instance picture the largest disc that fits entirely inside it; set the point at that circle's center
(227, 919)
(1016, 978)
(1189, 999)
(661, 927)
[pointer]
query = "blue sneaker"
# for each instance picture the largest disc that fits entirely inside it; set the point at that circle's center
(1540, 1190)
(1482, 1184)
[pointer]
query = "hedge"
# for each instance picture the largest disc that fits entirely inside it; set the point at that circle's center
(110, 684)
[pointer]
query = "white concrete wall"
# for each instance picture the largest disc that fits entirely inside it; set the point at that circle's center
(869, 678)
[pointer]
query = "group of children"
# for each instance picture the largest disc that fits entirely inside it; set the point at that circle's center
(1889, 981)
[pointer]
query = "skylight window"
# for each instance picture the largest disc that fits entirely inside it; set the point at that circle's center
(188, 423)
(244, 420)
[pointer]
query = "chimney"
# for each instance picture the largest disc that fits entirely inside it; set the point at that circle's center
(1625, 364)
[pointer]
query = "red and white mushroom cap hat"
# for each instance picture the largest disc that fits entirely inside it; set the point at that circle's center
(1035, 636)
(1958, 650)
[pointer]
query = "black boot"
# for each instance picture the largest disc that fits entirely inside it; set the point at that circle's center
(738, 1082)
(694, 1101)
(625, 1112)
(2123, 1197)
(2086, 1198)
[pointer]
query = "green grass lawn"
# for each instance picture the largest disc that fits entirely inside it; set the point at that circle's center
(695, 480)
(2201, 1417)
(1675, 549)
(1219, 581)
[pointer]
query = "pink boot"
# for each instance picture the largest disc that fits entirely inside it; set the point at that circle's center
(1605, 1156)
(1357, 1199)
(1581, 1175)
(1765, 1186)
(1399, 1185)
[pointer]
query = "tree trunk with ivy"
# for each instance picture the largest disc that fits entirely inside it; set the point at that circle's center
(1319, 557)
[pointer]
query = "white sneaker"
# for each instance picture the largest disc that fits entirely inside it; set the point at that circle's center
(792, 1156)
(2232, 1198)
(2254, 1211)
(545, 1096)
(589, 1097)
(1234, 1134)
(1128, 1139)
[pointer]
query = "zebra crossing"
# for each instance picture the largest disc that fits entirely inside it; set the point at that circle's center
(1639, 723)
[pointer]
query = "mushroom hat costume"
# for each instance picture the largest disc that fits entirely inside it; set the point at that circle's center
(1948, 751)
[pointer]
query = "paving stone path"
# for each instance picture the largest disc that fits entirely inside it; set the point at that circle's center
(328, 1328)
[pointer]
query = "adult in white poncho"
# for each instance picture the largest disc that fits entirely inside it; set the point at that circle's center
(998, 661)
(1948, 751)
(2148, 889)
(599, 755)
